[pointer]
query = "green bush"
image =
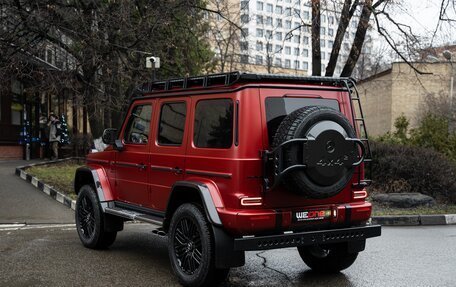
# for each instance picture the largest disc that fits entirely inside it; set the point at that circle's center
(404, 168)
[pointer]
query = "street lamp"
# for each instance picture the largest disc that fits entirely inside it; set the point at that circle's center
(447, 54)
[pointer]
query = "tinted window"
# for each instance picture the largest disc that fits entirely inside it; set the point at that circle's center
(278, 108)
(213, 124)
(137, 130)
(172, 123)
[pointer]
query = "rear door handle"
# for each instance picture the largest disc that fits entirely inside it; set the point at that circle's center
(141, 166)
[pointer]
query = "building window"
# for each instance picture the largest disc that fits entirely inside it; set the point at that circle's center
(305, 65)
(259, 6)
(259, 20)
(244, 19)
(322, 54)
(330, 44)
(322, 43)
(172, 123)
(331, 20)
(287, 12)
(137, 130)
(245, 32)
(297, 39)
(244, 59)
(259, 46)
(279, 23)
(287, 50)
(269, 48)
(287, 24)
(259, 32)
(269, 21)
(259, 60)
(213, 126)
(305, 40)
(322, 30)
(306, 15)
(305, 53)
(323, 19)
(244, 46)
(279, 36)
(278, 10)
(330, 31)
(278, 62)
(287, 64)
(296, 51)
(296, 64)
(245, 5)
(269, 8)
(278, 48)
(297, 25)
(297, 13)
(268, 34)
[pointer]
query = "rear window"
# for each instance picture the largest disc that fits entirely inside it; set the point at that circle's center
(172, 123)
(213, 126)
(277, 108)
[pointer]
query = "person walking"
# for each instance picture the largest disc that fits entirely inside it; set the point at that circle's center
(54, 135)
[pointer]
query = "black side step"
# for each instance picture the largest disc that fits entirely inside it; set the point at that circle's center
(134, 215)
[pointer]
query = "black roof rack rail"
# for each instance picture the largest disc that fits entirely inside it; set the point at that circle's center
(230, 78)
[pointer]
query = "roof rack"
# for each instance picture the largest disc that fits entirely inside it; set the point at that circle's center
(228, 79)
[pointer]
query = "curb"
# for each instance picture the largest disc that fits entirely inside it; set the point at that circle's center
(47, 189)
(414, 220)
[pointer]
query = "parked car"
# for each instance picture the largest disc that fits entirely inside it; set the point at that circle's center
(226, 163)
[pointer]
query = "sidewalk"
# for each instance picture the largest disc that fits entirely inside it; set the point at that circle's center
(21, 203)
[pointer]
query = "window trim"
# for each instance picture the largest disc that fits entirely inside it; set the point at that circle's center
(157, 141)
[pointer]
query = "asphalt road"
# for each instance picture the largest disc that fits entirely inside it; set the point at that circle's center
(53, 256)
(46, 251)
(22, 202)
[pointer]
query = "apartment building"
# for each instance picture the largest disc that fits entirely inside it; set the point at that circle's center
(276, 34)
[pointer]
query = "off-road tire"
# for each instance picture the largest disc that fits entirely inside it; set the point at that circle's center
(327, 260)
(190, 236)
(90, 221)
(296, 125)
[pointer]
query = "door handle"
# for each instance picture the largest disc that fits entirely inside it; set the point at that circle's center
(141, 166)
(177, 170)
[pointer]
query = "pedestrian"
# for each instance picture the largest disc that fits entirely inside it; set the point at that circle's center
(54, 135)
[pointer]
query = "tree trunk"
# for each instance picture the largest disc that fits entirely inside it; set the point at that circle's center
(342, 27)
(316, 54)
(359, 39)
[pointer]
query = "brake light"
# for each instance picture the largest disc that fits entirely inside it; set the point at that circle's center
(359, 194)
(251, 201)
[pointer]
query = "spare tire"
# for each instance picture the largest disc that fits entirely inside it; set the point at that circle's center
(329, 127)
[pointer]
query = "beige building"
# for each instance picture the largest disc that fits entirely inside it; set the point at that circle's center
(402, 90)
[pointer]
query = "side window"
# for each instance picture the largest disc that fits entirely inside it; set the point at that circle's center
(172, 123)
(213, 126)
(137, 129)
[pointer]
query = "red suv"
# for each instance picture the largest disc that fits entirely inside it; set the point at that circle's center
(226, 163)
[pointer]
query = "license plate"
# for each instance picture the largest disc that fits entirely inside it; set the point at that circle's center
(311, 215)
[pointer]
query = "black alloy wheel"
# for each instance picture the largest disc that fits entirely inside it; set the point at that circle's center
(86, 217)
(191, 247)
(187, 246)
(90, 220)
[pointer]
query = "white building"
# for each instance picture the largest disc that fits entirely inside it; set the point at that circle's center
(277, 33)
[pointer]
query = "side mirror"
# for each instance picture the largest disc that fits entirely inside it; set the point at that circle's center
(109, 136)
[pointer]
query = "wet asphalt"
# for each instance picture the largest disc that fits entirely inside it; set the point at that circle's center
(47, 252)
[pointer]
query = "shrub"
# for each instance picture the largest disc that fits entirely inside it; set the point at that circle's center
(402, 168)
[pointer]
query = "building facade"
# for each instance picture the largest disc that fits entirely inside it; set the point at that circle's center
(275, 35)
(403, 91)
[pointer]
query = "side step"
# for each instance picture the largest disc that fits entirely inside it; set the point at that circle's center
(133, 215)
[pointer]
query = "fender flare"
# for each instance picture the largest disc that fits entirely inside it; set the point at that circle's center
(96, 176)
(204, 191)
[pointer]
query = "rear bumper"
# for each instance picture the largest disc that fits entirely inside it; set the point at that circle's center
(306, 238)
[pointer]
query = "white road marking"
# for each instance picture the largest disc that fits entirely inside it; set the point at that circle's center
(13, 227)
